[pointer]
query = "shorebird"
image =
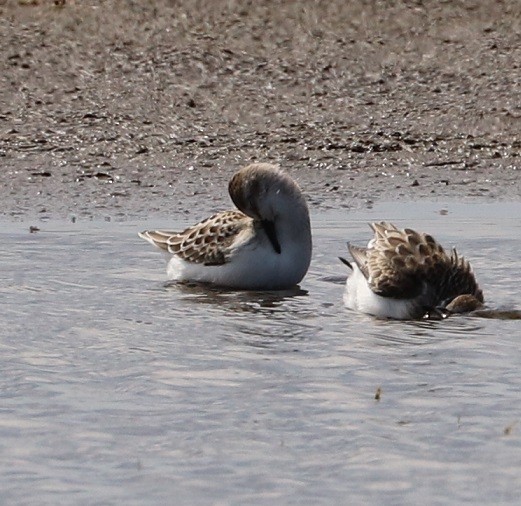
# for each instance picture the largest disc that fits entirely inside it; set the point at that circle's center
(265, 244)
(403, 274)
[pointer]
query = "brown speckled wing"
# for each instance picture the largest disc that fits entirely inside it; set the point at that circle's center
(398, 263)
(207, 242)
(459, 279)
(360, 257)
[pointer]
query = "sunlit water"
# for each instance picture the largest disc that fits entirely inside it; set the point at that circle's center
(118, 390)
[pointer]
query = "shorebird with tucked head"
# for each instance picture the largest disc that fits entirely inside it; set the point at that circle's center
(264, 245)
(403, 274)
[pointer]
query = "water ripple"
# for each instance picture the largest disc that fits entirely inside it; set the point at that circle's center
(118, 389)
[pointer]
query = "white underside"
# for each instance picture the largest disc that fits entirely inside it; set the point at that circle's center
(359, 297)
(253, 266)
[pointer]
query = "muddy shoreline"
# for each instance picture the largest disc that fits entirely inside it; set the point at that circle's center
(130, 109)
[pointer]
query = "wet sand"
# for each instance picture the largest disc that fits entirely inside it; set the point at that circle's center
(121, 110)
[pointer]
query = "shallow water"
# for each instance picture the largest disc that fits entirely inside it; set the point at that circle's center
(116, 389)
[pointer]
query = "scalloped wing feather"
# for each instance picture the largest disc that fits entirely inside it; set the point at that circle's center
(360, 257)
(459, 279)
(401, 263)
(206, 243)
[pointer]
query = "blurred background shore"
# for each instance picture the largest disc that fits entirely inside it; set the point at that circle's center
(130, 108)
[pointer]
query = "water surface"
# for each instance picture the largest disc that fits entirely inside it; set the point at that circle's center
(117, 389)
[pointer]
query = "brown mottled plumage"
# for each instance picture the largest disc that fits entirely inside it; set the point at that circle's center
(412, 267)
(265, 244)
(206, 242)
